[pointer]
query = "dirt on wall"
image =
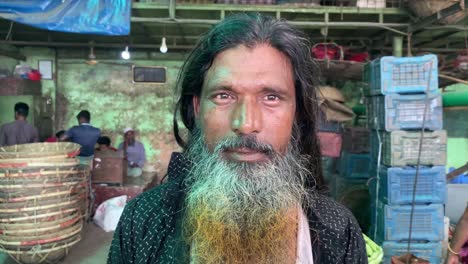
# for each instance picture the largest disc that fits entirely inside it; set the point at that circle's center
(115, 102)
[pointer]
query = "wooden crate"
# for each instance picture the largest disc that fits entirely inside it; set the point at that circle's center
(109, 169)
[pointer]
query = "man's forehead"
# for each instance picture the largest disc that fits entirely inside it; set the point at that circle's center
(216, 74)
(242, 61)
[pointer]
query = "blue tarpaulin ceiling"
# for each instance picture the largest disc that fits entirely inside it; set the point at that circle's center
(103, 17)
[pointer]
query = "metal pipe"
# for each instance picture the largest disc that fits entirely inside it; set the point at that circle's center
(176, 47)
(398, 46)
(274, 8)
(297, 23)
(84, 44)
(441, 50)
(172, 9)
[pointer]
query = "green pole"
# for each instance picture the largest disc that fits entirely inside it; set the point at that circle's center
(398, 46)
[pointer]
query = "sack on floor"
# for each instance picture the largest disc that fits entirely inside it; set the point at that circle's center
(108, 213)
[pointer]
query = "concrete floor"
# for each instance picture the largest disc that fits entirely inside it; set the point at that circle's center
(92, 249)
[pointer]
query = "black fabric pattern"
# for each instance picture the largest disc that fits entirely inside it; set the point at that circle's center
(150, 229)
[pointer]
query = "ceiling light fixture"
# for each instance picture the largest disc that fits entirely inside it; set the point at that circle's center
(163, 47)
(125, 54)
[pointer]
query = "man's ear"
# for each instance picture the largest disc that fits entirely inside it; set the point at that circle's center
(196, 105)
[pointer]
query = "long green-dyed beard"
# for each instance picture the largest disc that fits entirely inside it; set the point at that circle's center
(242, 212)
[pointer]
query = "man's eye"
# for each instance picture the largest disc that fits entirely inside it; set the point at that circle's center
(271, 97)
(222, 96)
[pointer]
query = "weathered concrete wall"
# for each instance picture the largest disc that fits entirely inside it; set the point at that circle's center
(108, 92)
(33, 56)
(43, 106)
(7, 59)
(7, 65)
(115, 102)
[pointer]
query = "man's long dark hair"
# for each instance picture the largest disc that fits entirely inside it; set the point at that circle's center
(252, 30)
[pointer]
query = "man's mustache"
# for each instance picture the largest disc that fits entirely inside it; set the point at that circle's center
(250, 142)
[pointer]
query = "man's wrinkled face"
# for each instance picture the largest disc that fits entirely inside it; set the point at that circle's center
(248, 93)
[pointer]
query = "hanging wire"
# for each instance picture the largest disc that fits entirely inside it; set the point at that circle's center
(8, 36)
(377, 188)
(426, 104)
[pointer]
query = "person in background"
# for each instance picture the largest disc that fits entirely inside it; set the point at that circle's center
(459, 244)
(84, 134)
(134, 152)
(56, 138)
(104, 144)
(18, 131)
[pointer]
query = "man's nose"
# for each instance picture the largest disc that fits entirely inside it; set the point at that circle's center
(247, 117)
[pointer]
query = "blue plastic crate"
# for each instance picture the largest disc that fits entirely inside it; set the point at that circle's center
(393, 222)
(460, 179)
(329, 165)
(389, 75)
(396, 185)
(431, 251)
(404, 112)
(356, 140)
(354, 165)
(400, 148)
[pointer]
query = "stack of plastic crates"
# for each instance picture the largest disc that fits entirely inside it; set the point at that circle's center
(351, 187)
(330, 138)
(355, 157)
(400, 91)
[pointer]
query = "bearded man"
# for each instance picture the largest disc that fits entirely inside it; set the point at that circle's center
(246, 187)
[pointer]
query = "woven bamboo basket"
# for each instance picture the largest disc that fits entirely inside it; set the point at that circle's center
(39, 226)
(39, 150)
(42, 216)
(18, 187)
(43, 201)
(47, 253)
(49, 171)
(425, 8)
(51, 161)
(35, 184)
(60, 192)
(44, 237)
(38, 204)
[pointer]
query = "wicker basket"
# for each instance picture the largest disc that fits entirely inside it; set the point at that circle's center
(39, 226)
(37, 162)
(43, 201)
(61, 171)
(48, 253)
(425, 8)
(42, 216)
(39, 150)
(41, 237)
